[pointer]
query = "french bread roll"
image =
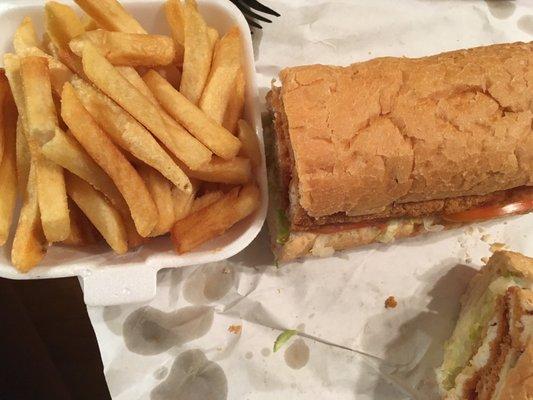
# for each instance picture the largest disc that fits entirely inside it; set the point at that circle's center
(396, 138)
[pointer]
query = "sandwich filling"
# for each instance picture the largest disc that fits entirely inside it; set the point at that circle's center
(494, 333)
(507, 336)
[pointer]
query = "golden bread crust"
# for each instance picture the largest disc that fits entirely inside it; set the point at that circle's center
(407, 130)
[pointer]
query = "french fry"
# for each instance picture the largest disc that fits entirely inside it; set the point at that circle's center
(65, 151)
(133, 77)
(62, 23)
(48, 46)
(171, 73)
(8, 169)
(192, 3)
(89, 24)
(102, 215)
(206, 200)
(49, 182)
(5, 95)
(226, 65)
(109, 80)
(174, 16)
(216, 138)
(52, 200)
(130, 135)
(197, 56)
(236, 104)
(134, 239)
(110, 15)
(111, 160)
(23, 157)
(25, 36)
(12, 73)
(29, 244)
(185, 147)
(128, 49)
(250, 143)
(75, 236)
(112, 83)
(182, 203)
(82, 232)
(41, 121)
(236, 171)
(57, 106)
(213, 36)
(160, 189)
(215, 219)
(41, 115)
(59, 72)
(71, 60)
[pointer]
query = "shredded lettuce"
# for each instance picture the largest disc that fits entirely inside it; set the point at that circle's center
(283, 338)
(282, 223)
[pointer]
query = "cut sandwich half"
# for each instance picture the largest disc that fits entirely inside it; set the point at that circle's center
(490, 353)
(395, 147)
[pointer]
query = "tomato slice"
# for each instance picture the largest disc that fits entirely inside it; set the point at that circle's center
(491, 211)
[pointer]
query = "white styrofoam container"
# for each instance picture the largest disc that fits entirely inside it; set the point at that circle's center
(108, 278)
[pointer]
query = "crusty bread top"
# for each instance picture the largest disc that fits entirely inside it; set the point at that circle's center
(403, 130)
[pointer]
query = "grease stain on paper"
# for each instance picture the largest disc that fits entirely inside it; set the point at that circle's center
(111, 316)
(265, 351)
(149, 331)
(297, 354)
(501, 9)
(192, 377)
(208, 283)
(525, 24)
(160, 373)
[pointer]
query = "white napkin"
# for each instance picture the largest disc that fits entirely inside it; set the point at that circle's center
(209, 332)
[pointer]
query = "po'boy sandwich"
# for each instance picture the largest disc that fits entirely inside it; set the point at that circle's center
(394, 147)
(490, 353)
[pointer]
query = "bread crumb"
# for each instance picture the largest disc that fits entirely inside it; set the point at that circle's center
(494, 247)
(391, 302)
(236, 329)
(470, 230)
(486, 238)
(226, 270)
(484, 260)
(468, 260)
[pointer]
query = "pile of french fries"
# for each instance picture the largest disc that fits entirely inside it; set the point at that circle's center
(109, 132)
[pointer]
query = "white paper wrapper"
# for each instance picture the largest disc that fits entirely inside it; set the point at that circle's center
(350, 346)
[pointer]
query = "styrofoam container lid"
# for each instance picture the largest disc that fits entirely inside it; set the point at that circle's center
(107, 278)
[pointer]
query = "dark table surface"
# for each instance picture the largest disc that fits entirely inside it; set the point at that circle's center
(48, 349)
